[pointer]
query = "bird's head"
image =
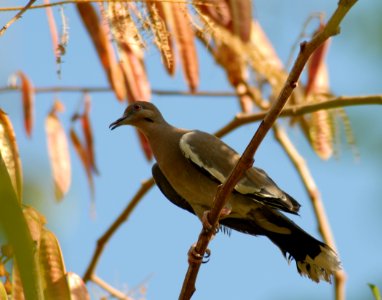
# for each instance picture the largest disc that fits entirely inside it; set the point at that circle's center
(140, 114)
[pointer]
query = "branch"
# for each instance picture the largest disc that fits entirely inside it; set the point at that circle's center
(17, 16)
(301, 109)
(102, 241)
(315, 197)
(246, 160)
(107, 287)
(90, 89)
(58, 3)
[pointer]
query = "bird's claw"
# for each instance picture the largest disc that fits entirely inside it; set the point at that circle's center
(197, 258)
(206, 223)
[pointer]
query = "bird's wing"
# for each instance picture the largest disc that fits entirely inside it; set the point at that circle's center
(166, 188)
(216, 158)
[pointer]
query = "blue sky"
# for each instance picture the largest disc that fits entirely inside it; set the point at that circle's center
(151, 247)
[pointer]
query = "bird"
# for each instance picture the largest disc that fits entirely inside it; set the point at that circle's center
(191, 164)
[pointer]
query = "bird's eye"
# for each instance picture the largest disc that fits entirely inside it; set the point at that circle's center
(137, 107)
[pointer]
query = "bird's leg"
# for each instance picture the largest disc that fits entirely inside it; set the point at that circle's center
(197, 258)
(206, 223)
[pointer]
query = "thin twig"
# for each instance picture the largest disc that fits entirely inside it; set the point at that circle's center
(317, 203)
(93, 89)
(102, 241)
(17, 16)
(59, 3)
(107, 287)
(301, 109)
(238, 120)
(246, 159)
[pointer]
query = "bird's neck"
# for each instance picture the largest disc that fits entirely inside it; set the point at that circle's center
(164, 139)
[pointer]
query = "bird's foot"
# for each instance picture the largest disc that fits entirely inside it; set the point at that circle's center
(197, 258)
(225, 212)
(206, 223)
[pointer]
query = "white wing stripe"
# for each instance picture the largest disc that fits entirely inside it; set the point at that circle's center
(190, 154)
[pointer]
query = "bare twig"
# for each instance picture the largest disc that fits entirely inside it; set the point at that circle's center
(58, 3)
(315, 197)
(146, 185)
(246, 160)
(94, 89)
(107, 287)
(238, 120)
(17, 16)
(301, 109)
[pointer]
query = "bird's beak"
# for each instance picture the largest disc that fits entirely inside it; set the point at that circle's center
(117, 123)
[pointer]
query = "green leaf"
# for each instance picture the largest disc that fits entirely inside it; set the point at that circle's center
(375, 291)
(17, 232)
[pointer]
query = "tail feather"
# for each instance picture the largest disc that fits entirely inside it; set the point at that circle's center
(313, 258)
(323, 266)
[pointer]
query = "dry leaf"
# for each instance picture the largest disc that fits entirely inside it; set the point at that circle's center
(321, 134)
(318, 79)
(218, 11)
(185, 41)
(237, 74)
(123, 26)
(82, 153)
(160, 20)
(241, 12)
(248, 52)
(35, 221)
(58, 153)
(88, 135)
(317, 89)
(27, 91)
(265, 47)
(131, 55)
(104, 48)
(130, 52)
(10, 153)
(52, 267)
(137, 85)
(317, 72)
(137, 90)
(78, 290)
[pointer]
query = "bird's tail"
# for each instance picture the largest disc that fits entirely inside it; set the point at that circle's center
(313, 258)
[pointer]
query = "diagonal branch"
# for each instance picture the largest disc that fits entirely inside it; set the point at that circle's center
(102, 241)
(246, 160)
(317, 203)
(301, 109)
(17, 16)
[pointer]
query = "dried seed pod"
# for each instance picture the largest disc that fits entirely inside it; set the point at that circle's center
(10, 153)
(58, 150)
